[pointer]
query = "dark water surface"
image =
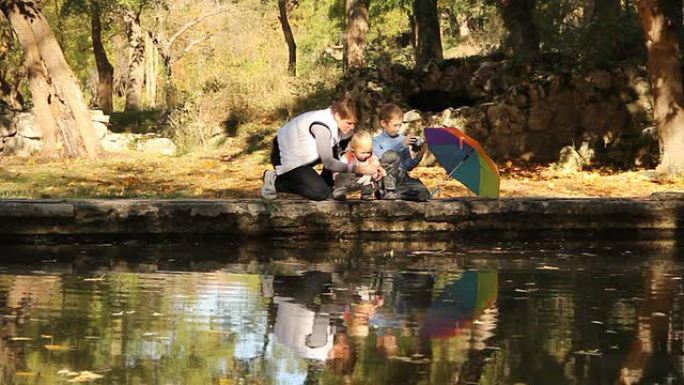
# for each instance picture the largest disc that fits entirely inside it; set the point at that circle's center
(343, 313)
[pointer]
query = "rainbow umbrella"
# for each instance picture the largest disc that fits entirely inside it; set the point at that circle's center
(464, 159)
(460, 302)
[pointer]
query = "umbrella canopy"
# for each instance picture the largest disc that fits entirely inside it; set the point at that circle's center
(460, 302)
(464, 159)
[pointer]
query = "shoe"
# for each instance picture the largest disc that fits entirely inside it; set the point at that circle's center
(339, 194)
(391, 196)
(268, 191)
(367, 197)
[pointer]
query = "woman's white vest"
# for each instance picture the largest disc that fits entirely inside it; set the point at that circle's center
(296, 143)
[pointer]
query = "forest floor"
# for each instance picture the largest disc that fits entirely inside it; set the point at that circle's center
(226, 175)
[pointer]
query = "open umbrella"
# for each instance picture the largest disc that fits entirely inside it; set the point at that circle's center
(461, 302)
(464, 159)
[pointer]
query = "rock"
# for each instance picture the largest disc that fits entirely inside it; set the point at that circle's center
(27, 127)
(7, 127)
(114, 142)
(602, 80)
(412, 116)
(99, 116)
(570, 160)
(21, 146)
(101, 129)
(540, 118)
(162, 146)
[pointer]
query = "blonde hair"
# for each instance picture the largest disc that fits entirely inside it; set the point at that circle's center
(389, 111)
(345, 108)
(360, 137)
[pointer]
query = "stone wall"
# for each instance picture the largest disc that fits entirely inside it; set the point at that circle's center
(606, 116)
(21, 136)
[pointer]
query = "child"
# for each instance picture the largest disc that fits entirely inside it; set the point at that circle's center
(398, 155)
(360, 152)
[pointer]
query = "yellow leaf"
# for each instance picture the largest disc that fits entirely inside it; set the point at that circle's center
(57, 348)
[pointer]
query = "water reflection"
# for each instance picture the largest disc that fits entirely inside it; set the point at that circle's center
(343, 314)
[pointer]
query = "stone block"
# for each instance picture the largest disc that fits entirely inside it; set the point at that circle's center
(7, 127)
(162, 146)
(113, 142)
(27, 127)
(100, 129)
(99, 116)
(21, 146)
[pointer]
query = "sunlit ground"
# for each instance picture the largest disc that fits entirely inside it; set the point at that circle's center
(221, 174)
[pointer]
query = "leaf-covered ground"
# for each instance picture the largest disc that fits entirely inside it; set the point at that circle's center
(223, 175)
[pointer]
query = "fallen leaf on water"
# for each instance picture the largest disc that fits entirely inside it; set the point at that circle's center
(98, 279)
(57, 348)
(86, 376)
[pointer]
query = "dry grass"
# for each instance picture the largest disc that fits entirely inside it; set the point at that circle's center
(225, 174)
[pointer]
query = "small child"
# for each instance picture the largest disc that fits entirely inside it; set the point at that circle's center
(360, 152)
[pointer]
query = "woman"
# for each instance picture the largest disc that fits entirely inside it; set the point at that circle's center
(307, 140)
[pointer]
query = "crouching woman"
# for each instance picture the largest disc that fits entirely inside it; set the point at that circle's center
(307, 140)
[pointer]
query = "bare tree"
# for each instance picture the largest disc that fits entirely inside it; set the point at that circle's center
(285, 7)
(58, 102)
(357, 30)
(136, 56)
(166, 38)
(426, 32)
(105, 71)
(662, 44)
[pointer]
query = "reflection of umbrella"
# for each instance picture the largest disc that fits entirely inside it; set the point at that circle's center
(464, 160)
(461, 302)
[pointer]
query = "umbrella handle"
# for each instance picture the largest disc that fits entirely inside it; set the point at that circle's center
(436, 189)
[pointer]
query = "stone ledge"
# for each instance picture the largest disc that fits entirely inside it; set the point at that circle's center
(259, 218)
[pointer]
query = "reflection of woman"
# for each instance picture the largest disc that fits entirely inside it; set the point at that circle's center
(307, 140)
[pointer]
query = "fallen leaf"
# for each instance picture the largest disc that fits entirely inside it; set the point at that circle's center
(57, 348)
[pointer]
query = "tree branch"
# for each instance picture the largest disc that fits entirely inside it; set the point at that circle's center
(191, 24)
(191, 45)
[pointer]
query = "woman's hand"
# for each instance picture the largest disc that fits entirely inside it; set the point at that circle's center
(365, 169)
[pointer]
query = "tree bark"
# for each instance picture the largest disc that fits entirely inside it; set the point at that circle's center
(426, 32)
(136, 57)
(357, 30)
(56, 94)
(105, 71)
(289, 38)
(523, 39)
(662, 45)
(151, 67)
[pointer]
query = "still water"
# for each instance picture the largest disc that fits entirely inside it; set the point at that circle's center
(343, 313)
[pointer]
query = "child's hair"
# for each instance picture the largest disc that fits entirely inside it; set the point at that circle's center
(345, 108)
(389, 111)
(360, 137)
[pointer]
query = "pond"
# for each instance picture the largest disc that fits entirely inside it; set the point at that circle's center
(347, 312)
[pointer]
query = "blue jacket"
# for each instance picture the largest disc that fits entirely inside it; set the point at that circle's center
(383, 143)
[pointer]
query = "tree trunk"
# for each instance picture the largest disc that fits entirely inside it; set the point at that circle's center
(10, 78)
(523, 39)
(151, 66)
(170, 95)
(357, 30)
(105, 71)
(664, 69)
(426, 32)
(136, 57)
(289, 38)
(56, 108)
